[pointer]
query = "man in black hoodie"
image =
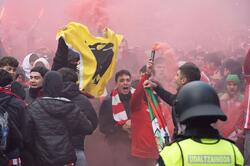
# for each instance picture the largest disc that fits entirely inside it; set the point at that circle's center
(65, 57)
(14, 106)
(50, 122)
(72, 92)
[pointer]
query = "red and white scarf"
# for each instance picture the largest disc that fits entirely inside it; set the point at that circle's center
(15, 162)
(119, 112)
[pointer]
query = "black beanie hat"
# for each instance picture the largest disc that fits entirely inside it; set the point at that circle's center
(40, 69)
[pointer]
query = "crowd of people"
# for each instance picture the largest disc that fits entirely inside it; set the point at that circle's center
(49, 117)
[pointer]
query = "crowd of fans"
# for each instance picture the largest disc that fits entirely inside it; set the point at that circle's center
(50, 117)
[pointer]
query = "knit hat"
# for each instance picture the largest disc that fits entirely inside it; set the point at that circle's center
(233, 77)
(43, 62)
(40, 69)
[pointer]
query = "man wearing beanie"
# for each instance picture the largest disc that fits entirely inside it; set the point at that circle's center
(232, 105)
(36, 82)
(49, 124)
(232, 88)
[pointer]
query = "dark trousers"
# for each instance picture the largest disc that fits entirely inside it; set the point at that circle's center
(247, 148)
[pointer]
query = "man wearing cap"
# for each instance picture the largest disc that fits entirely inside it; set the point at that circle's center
(197, 106)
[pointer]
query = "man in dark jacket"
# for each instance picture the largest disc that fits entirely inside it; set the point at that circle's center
(186, 73)
(115, 123)
(36, 81)
(14, 106)
(50, 122)
(72, 92)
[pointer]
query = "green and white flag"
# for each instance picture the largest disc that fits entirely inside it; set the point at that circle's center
(159, 126)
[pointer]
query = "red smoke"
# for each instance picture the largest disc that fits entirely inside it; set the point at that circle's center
(27, 25)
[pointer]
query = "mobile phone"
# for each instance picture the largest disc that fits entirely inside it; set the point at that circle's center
(152, 56)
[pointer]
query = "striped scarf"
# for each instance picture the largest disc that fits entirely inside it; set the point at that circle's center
(119, 112)
(15, 162)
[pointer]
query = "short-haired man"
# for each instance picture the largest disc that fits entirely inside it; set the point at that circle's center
(186, 73)
(114, 119)
(36, 81)
(10, 65)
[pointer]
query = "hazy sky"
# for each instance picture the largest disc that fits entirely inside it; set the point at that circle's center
(181, 23)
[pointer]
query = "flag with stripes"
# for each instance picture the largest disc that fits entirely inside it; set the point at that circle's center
(159, 126)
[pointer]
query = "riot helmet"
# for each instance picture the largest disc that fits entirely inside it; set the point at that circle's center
(197, 100)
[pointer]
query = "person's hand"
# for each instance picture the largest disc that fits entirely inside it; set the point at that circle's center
(127, 127)
(128, 124)
(149, 84)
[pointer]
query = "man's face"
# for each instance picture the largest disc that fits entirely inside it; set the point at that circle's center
(232, 88)
(199, 61)
(36, 80)
(160, 70)
(180, 79)
(123, 84)
(11, 70)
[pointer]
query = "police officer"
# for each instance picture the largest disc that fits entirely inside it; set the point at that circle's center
(197, 107)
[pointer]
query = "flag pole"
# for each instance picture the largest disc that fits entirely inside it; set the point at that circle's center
(246, 69)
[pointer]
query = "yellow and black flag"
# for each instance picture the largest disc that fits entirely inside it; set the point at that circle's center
(97, 55)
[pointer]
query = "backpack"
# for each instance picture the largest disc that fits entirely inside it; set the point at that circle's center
(4, 129)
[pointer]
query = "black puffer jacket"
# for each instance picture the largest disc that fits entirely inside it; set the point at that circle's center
(15, 108)
(72, 92)
(49, 124)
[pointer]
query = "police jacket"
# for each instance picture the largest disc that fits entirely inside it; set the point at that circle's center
(193, 150)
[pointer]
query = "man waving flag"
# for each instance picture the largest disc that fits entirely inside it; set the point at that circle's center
(97, 55)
